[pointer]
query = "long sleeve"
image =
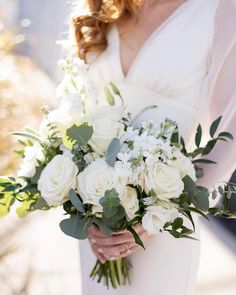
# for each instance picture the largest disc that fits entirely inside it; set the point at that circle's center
(222, 94)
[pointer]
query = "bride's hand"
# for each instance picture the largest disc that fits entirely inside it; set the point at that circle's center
(119, 245)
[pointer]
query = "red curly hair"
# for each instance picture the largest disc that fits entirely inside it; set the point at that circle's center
(91, 30)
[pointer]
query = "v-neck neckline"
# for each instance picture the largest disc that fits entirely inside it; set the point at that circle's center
(142, 49)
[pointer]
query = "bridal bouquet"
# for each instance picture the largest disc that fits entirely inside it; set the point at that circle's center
(110, 171)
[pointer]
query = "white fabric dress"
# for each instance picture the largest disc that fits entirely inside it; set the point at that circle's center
(172, 71)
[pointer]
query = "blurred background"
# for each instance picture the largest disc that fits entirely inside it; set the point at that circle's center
(35, 257)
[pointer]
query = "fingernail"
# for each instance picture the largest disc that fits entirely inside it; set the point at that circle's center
(100, 251)
(129, 251)
(92, 241)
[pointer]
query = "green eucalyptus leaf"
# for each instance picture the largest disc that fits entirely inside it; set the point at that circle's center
(75, 200)
(102, 226)
(113, 224)
(117, 213)
(112, 152)
(78, 134)
(76, 226)
(214, 126)
(35, 178)
(201, 199)
(40, 204)
(189, 186)
(198, 136)
(111, 199)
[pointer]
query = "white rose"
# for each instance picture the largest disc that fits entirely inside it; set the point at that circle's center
(163, 179)
(129, 200)
(106, 126)
(95, 180)
(156, 217)
(57, 178)
(183, 164)
(32, 154)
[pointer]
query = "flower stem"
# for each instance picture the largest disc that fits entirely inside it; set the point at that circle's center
(120, 276)
(113, 273)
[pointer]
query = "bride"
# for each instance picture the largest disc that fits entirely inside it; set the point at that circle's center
(181, 56)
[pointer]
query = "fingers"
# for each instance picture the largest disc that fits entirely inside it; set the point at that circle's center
(99, 256)
(111, 253)
(96, 236)
(119, 245)
(111, 241)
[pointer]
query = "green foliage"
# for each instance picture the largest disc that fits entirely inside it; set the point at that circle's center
(209, 146)
(115, 89)
(203, 161)
(201, 199)
(109, 96)
(198, 195)
(28, 135)
(78, 158)
(226, 135)
(103, 227)
(76, 226)
(5, 204)
(112, 152)
(175, 136)
(76, 201)
(198, 136)
(214, 126)
(78, 134)
(177, 229)
(24, 208)
(113, 212)
(137, 239)
(189, 186)
(110, 200)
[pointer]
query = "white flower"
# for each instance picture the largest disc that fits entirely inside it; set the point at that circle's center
(57, 178)
(129, 200)
(106, 126)
(156, 217)
(95, 180)
(163, 179)
(63, 118)
(183, 164)
(32, 154)
(137, 176)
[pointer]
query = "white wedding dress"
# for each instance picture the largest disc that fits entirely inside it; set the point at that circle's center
(170, 71)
